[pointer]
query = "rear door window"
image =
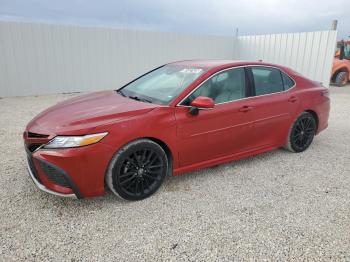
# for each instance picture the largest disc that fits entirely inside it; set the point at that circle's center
(267, 80)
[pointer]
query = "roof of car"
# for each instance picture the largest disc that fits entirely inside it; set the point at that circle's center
(209, 64)
(222, 64)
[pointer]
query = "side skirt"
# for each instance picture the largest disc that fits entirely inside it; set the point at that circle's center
(223, 159)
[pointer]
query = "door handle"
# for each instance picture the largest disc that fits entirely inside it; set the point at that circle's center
(292, 99)
(245, 109)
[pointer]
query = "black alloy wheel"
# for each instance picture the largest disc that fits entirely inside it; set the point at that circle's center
(139, 170)
(303, 132)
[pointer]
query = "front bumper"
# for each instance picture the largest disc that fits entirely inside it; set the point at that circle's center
(72, 172)
(44, 188)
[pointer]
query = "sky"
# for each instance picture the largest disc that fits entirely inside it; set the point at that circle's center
(219, 17)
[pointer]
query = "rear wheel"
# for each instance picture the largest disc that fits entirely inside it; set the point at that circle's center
(341, 78)
(137, 170)
(302, 133)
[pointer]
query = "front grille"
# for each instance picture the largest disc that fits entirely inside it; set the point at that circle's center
(35, 135)
(34, 140)
(55, 174)
(32, 167)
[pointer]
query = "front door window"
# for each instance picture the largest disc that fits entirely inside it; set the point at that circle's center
(225, 86)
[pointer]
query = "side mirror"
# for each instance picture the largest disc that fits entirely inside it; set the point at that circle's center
(201, 102)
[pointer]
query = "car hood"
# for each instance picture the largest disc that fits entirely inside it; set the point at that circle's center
(80, 115)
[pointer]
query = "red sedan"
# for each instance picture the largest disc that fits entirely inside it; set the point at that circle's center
(174, 119)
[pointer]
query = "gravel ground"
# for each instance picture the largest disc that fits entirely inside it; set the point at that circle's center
(278, 205)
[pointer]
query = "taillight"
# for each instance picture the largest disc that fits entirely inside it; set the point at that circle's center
(325, 93)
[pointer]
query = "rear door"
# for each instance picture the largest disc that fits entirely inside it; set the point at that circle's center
(275, 105)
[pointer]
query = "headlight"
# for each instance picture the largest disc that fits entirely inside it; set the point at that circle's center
(74, 141)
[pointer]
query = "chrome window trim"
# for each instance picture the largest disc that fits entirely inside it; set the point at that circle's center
(244, 98)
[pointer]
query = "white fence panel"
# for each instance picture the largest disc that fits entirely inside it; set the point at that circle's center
(43, 59)
(311, 54)
(38, 59)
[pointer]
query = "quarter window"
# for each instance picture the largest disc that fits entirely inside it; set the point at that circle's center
(287, 81)
(225, 86)
(267, 80)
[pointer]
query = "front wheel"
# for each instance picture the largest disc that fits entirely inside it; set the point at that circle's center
(137, 170)
(301, 133)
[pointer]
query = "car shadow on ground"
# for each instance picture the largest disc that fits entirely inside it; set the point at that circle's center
(172, 184)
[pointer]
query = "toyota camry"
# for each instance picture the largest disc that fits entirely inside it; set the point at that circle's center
(177, 118)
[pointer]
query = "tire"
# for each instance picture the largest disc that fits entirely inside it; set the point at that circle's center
(302, 133)
(137, 170)
(341, 78)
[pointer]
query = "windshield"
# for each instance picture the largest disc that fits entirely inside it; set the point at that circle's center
(162, 85)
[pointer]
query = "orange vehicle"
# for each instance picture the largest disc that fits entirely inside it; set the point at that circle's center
(341, 64)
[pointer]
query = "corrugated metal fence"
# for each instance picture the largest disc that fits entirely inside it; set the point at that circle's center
(308, 53)
(40, 59)
(43, 59)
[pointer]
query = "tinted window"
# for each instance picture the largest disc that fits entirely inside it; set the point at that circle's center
(267, 80)
(287, 81)
(223, 87)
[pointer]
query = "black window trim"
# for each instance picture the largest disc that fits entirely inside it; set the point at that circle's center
(283, 86)
(249, 75)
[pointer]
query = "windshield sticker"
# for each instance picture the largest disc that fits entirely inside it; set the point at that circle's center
(191, 70)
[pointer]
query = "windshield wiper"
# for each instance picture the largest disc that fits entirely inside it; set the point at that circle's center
(134, 97)
(140, 99)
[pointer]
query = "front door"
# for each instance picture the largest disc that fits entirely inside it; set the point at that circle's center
(220, 131)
